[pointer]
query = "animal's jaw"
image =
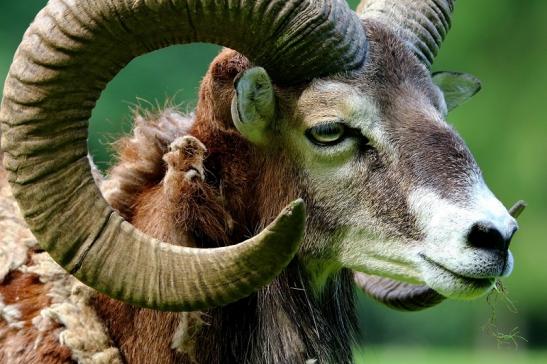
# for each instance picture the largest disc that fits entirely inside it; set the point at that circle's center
(385, 258)
(452, 284)
(472, 276)
(468, 274)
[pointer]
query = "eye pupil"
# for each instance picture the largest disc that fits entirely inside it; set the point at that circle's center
(326, 134)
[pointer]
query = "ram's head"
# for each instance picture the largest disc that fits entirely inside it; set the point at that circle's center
(345, 106)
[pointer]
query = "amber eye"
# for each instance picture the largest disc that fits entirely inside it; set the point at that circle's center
(327, 134)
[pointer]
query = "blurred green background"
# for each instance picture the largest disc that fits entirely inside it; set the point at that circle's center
(504, 43)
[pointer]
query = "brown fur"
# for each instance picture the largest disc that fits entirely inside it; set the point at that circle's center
(199, 216)
(140, 165)
(18, 345)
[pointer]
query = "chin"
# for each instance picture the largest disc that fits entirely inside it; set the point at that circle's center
(456, 285)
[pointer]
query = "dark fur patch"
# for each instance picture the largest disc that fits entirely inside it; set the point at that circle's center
(431, 153)
(284, 323)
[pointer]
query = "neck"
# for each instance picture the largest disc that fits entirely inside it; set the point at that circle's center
(290, 320)
(283, 323)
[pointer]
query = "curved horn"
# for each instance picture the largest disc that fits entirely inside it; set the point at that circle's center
(397, 295)
(422, 24)
(68, 55)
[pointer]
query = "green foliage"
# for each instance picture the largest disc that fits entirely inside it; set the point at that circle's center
(512, 337)
(503, 43)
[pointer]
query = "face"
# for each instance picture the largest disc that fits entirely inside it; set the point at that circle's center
(391, 189)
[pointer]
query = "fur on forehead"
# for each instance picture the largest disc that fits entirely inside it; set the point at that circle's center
(390, 65)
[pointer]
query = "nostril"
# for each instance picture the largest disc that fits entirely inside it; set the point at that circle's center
(486, 236)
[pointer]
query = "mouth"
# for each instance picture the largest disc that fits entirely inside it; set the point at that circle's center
(453, 284)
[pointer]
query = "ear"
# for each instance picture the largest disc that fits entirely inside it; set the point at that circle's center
(253, 106)
(456, 87)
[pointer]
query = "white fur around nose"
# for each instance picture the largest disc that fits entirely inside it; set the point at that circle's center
(447, 221)
(449, 264)
(446, 225)
(493, 210)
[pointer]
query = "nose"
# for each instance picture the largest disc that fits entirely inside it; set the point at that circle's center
(485, 235)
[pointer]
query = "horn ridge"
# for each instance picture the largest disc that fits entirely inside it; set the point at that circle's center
(422, 24)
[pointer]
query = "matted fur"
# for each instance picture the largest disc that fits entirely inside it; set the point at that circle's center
(45, 315)
(15, 238)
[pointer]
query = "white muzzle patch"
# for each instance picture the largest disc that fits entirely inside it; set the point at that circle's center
(450, 263)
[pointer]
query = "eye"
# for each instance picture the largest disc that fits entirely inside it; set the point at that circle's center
(327, 134)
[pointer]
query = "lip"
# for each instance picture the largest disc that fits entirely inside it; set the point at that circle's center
(478, 283)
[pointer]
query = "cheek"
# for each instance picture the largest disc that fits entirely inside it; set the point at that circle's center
(366, 193)
(332, 194)
(383, 195)
(333, 190)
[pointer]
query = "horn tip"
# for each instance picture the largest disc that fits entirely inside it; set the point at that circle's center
(296, 208)
(518, 208)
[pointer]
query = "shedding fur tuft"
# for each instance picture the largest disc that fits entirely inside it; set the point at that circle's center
(184, 339)
(140, 163)
(11, 315)
(83, 333)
